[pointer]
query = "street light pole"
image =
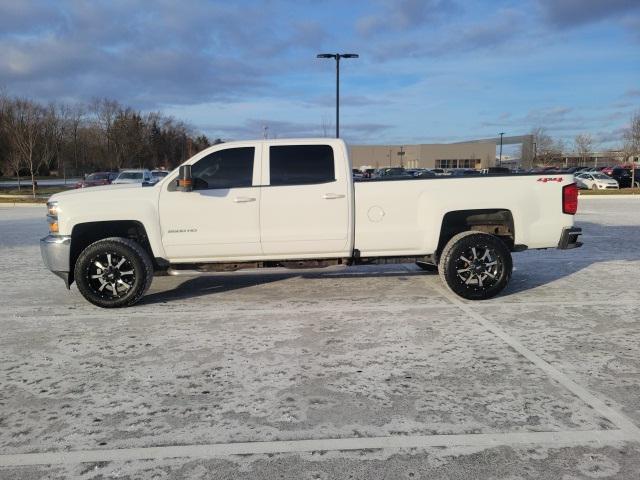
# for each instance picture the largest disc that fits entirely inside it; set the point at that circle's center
(500, 161)
(337, 57)
(337, 96)
(401, 155)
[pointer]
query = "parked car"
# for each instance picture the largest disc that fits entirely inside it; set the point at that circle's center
(96, 179)
(134, 176)
(159, 174)
(213, 214)
(495, 170)
(425, 173)
(623, 176)
(463, 171)
(438, 171)
(596, 181)
(392, 172)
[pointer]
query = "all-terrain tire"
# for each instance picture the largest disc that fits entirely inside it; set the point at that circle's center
(113, 272)
(475, 265)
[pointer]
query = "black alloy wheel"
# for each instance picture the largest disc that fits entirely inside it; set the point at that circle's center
(476, 265)
(113, 272)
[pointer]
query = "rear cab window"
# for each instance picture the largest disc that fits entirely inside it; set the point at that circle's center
(301, 165)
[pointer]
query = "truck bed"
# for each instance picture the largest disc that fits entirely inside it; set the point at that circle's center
(399, 216)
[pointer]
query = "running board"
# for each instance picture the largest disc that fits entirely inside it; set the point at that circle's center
(196, 269)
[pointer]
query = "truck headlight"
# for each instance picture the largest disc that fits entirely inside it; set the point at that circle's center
(52, 216)
(53, 209)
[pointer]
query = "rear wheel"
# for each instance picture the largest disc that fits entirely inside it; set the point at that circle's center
(113, 272)
(475, 265)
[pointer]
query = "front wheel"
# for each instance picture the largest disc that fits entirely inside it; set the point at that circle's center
(113, 272)
(475, 265)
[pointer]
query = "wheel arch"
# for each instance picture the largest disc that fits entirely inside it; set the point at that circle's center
(495, 221)
(86, 233)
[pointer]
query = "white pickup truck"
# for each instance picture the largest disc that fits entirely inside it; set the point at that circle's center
(294, 204)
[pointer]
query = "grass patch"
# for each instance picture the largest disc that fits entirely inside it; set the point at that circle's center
(22, 200)
(27, 191)
(622, 191)
(27, 180)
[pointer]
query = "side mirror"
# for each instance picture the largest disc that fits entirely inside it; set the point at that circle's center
(185, 182)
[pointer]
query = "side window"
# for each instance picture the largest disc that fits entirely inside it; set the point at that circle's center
(301, 164)
(230, 168)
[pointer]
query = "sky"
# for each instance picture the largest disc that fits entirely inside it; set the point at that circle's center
(430, 71)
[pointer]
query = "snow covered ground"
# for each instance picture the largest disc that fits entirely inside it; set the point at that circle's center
(373, 372)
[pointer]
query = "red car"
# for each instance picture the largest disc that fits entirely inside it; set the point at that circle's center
(96, 179)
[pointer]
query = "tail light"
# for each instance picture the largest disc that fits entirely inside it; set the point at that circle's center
(570, 199)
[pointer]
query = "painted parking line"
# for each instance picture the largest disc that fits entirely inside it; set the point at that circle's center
(487, 440)
(624, 423)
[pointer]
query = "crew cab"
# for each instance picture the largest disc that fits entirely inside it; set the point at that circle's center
(295, 204)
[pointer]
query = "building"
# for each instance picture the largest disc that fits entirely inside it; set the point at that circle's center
(596, 159)
(448, 155)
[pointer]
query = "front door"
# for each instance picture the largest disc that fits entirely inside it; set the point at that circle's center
(219, 219)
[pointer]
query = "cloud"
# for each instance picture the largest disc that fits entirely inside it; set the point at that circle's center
(183, 53)
(403, 15)
(254, 128)
(26, 17)
(498, 30)
(571, 13)
(346, 100)
(547, 116)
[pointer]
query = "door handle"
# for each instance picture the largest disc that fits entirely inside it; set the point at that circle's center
(244, 199)
(332, 196)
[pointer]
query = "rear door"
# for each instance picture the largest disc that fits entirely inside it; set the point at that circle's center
(305, 207)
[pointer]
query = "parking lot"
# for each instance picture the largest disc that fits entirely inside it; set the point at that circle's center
(372, 372)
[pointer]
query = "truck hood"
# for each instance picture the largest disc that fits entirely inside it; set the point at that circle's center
(120, 189)
(131, 202)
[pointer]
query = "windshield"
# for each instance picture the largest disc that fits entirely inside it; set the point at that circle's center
(130, 176)
(600, 176)
(98, 176)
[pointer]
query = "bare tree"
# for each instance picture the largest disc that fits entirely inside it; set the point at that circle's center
(583, 144)
(23, 129)
(50, 137)
(105, 112)
(75, 118)
(102, 136)
(11, 161)
(632, 145)
(544, 145)
(326, 126)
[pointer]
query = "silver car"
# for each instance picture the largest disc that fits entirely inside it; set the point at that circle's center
(135, 176)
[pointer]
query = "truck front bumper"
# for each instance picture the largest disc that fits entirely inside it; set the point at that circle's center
(56, 250)
(569, 238)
